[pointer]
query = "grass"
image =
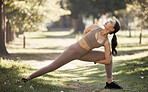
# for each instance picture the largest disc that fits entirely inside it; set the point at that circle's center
(130, 65)
(11, 73)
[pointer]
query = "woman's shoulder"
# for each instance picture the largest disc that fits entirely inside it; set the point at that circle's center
(95, 26)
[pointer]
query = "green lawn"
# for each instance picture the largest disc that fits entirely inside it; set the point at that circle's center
(130, 65)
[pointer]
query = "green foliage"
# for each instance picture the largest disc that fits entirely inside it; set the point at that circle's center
(136, 12)
(28, 15)
(93, 8)
(141, 8)
(77, 7)
(105, 6)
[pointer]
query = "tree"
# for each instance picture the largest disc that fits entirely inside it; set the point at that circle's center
(3, 50)
(127, 17)
(92, 8)
(99, 7)
(27, 15)
(137, 9)
(77, 9)
(141, 8)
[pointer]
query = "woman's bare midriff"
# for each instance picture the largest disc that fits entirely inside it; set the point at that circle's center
(84, 45)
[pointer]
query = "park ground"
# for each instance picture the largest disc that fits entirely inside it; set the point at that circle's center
(130, 68)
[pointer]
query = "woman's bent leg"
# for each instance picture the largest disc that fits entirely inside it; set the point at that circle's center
(93, 56)
(73, 52)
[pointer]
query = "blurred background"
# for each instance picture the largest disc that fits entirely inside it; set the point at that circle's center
(35, 32)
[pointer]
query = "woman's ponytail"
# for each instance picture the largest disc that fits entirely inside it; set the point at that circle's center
(114, 45)
(114, 39)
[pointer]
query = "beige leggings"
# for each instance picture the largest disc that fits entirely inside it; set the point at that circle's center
(73, 52)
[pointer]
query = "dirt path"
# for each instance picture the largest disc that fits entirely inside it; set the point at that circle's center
(71, 65)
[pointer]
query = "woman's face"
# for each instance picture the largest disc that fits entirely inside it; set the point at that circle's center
(110, 25)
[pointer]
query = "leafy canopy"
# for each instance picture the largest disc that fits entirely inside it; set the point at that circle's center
(28, 15)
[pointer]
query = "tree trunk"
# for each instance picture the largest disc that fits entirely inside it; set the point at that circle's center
(130, 32)
(3, 50)
(13, 35)
(74, 23)
(140, 37)
(24, 42)
(78, 25)
(81, 25)
(7, 32)
(10, 33)
(93, 20)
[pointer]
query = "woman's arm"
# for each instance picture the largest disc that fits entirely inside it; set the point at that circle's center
(90, 28)
(107, 54)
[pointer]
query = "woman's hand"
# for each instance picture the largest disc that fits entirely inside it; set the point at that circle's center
(107, 53)
(90, 28)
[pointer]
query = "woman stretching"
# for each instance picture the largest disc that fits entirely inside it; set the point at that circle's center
(94, 36)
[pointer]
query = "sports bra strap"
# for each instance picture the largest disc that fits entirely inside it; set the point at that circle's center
(104, 40)
(98, 29)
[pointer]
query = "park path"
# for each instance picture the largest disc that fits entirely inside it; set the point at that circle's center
(71, 65)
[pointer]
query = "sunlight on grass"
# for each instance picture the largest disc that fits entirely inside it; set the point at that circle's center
(117, 73)
(137, 70)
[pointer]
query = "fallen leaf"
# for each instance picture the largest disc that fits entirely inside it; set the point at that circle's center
(113, 77)
(67, 84)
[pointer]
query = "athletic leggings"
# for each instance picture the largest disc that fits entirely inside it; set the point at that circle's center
(73, 52)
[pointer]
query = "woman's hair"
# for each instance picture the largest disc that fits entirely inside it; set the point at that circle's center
(114, 38)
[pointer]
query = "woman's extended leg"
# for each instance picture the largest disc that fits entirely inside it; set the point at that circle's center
(93, 56)
(73, 52)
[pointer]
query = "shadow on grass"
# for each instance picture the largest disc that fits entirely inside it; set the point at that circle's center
(130, 52)
(39, 57)
(133, 36)
(73, 35)
(43, 48)
(121, 45)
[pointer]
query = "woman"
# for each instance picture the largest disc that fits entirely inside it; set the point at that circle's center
(94, 36)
